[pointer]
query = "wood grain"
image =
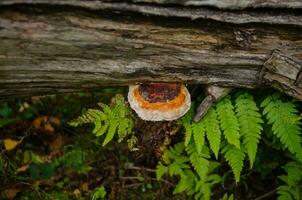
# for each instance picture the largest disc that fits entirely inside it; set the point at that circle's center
(54, 49)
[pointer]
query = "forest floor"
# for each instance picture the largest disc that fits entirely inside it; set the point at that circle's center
(42, 157)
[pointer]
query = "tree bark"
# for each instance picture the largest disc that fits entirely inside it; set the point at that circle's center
(65, 46)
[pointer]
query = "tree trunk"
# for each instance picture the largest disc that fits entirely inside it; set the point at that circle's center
(53, 46)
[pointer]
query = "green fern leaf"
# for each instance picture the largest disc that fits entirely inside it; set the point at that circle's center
(99, 118)
(86, 118)
(160, 170)
(125, 126)
(193, 130)
(228, 121)
(108, 120)
(111, 131)
(235, 157)
(285, 121)
(200, 163)
(186, 183)
(198, 135)
(294, 173)
(186, 121)
(103, 129)
(173, 152)
(212, 130)
(291, 188)
(292, 182)
(284, 193)
(250, 121)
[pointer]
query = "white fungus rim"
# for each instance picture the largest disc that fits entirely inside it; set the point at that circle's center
(157, 115)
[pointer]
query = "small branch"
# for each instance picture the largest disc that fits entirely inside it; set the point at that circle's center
(270, 193)
(133, 185)
(140, 168)
(215, 93)
(203, 107)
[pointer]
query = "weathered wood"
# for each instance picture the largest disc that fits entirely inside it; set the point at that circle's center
(223, 4)
(214, 94)
(272, 16)
(61, 49)
(231, 4)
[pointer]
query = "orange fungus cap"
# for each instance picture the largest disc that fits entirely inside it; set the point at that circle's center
(159, 101)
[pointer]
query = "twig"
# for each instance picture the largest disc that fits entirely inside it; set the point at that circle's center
(266, 194)
(129, 177)
(164, 181)
(140, 168)
(133, 185)
(153, 179)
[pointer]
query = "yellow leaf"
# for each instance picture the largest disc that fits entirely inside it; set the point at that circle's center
(10, 144)
(85, 187)
(77, 192)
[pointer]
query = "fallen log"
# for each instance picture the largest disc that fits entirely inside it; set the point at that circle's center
(65, 46)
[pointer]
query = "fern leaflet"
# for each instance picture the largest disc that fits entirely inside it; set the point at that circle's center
(108, 120)
(285, 121)
(235, 158)
(292, 182)
(186, 121)
(198, 160)
(177, 162)
(195, 129)
(228, 121)
(250, 121)
(212, 130)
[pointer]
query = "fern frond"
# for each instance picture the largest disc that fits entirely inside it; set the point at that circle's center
(186, 183)
(198, 160)
(212, 130)
(186, 121)
(285, 121)
(111, 131)
(203, 189)
(228, 121)
(198, 135)
(193, 129)
(292, 182)
(250, 121)
(160, 170)
(88, 117)
(235, 157)
(173, 152)
(108, 120)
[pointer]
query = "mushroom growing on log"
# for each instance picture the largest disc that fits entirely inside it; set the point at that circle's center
(159, 101)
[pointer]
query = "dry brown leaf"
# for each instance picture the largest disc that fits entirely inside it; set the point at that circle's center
(11, 193)
(57, 145)
(46, 123)
(22, 168)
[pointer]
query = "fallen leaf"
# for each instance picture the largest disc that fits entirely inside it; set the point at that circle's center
(23, 168)
(11, 193)
(46, 123)
(56, 145)
(77, 192)
(85, 187)
(10, 144)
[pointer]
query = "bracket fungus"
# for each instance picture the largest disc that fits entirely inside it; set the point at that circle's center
(159, 101)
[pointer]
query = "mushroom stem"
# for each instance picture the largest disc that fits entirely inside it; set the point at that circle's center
(214, 93)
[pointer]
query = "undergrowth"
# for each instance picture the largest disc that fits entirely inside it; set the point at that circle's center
(229, 133)
(244, 139)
